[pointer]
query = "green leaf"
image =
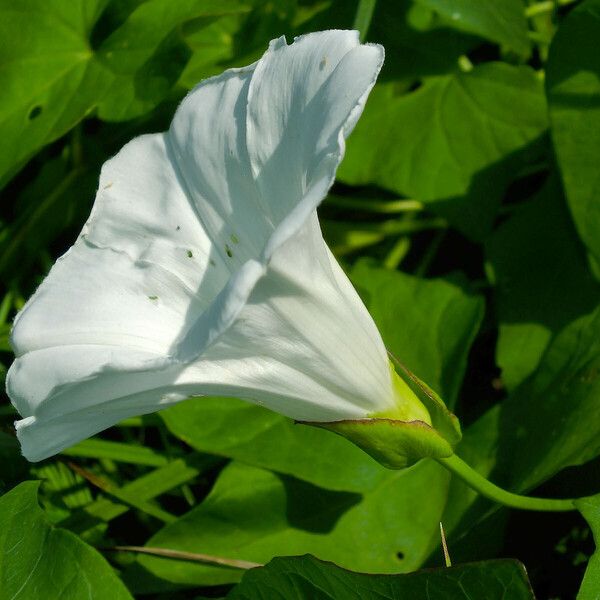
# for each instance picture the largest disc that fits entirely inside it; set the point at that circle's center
(542, 281)
(145, 488)
(573, 90)
(146, 60)
(118, 451)
(63, 489)
(52, 76)
(296, 578)
(550, 422)
(254, 514)
(48, 80)
(500, 21)
(455, 143)
(40, 561)
(590, 509)
(553, 420)
(212, 44)
(48, 206)
(262, 438)
(429, 325)
(417, 42)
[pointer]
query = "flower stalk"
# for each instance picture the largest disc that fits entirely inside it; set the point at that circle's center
(486, 488)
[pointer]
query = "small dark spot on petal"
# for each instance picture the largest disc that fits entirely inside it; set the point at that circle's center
(400, 555)
(108, 185)
(177, 228)
(228, 251)
(212, 262)
(35, 112)
(235, 239)
(152, 297)
(190, 254)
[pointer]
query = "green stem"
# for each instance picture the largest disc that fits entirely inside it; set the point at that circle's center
(375, 206)
(363, 17)
(486, 488)
(397, 253)
(540, 8)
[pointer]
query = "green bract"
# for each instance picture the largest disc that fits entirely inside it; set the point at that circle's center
(398, 443)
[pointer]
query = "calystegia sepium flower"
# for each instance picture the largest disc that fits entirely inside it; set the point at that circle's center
(202, 269)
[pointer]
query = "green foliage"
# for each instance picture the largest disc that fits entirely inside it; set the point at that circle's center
(454, 143)
(67, 53)
(590, 509)
(429, 324)
(306, 577)
(255, 514)
(502, 22)
(466, 214)
(40, 561)
(573, 89)
(261, 438)
(536, 253)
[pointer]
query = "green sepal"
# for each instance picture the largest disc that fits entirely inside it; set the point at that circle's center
(398, 444)
(442, 420)
(394, 444)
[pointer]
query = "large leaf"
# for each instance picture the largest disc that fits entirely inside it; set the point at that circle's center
(429, 325)
(590, 509)
(40, 561)
(501, 21)
(297, 578)
(454, 143)
(254, 514)
(542, 281)
(573, 89)
(145, 60)
(263, 438)
(51, 76)
(551, 421)
(416, 41)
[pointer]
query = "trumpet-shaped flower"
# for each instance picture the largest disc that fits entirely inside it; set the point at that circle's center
(202, 269)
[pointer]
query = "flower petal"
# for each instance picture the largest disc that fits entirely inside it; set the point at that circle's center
(69, 393)
(306, 337)
(142, 264)
(304, 99)
(202, 269)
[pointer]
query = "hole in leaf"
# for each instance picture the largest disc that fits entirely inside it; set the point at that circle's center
(415, 85)
(35, 112)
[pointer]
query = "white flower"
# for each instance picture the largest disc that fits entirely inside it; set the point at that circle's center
(202, 269)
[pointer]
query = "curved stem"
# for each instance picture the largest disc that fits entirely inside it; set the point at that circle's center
(486, 488)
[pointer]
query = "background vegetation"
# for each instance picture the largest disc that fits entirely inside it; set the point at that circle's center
(466, 212)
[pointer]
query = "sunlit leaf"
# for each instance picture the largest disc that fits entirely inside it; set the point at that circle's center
(590, 509)
(502, 21)
(254, 515)
(40, 561)
(454, 143)
(52, 76)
